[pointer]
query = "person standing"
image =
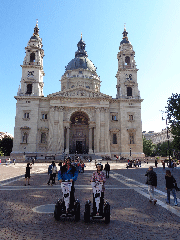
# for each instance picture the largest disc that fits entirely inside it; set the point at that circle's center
(107, 169)
(163, 163)
(170, 186)
(156, 163)
(54, 171)
(152, 183)
(68, 173)
(99, 176)
(27, 173)
(50, 173)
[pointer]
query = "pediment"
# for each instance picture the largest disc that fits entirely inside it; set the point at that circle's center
(79, 93)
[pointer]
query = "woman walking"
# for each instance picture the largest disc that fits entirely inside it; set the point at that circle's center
(170, 186)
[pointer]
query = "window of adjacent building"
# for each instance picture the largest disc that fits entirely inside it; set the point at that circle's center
(129, 91)
(32, 57)
(43, 138)
(24, 138)
(44, 116)
(131, 117)
(26, 115)
(114, 138)
(131, 138)
(29, 89)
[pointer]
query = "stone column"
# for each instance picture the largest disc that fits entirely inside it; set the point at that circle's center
(107, 135)
(67, 141)
(60, 131)
(97, 133)
(51, 129)
(90, 140)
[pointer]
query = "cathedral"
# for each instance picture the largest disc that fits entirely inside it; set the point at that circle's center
(79, 118)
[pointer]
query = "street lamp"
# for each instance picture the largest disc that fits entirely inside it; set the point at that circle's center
(167, 138)
(130, 152)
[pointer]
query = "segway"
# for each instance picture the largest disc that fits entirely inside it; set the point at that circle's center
(100, 209)
(63, 207)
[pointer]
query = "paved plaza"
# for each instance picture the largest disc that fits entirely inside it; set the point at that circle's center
(26, 212)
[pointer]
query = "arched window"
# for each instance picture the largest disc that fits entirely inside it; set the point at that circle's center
(127, 60)
(29, 89)
(32, 57)
(43, 138)
(129, 91)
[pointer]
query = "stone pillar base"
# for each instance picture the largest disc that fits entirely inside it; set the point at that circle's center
(66, 151)
(90, 151)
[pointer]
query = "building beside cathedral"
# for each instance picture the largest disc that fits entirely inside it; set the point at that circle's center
(79, 118)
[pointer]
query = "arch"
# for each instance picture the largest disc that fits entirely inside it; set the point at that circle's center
(79, 133)
(79, 118)
(32, 57)
(127, 60)
(29, 89)
(129, 91)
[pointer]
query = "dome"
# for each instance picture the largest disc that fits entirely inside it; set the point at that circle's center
(81, 59)
(81, 62)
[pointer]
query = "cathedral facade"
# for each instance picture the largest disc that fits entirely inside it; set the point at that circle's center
(79, 118)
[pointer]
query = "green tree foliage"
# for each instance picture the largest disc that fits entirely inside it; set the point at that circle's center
(148, 147)
(6, 145)
(173, 115)
(162, 149)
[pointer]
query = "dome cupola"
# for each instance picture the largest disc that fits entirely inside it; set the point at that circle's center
(81, 59)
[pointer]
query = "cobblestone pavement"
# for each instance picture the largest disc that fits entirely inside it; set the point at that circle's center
(132, 215)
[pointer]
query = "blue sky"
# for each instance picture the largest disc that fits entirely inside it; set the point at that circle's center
(154, 32)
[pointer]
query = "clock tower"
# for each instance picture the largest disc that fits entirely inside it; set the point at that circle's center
(129, 98)
(32, 68)
(127, 86)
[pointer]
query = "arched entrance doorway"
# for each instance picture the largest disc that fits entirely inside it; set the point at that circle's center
(79, 133)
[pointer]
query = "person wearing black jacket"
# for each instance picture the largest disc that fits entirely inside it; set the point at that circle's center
(107, 168)
(170, 186)
(152, 183)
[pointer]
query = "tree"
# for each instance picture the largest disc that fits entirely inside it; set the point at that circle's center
(6, 145)
(148, 147)
(173, 115)
(162, 149)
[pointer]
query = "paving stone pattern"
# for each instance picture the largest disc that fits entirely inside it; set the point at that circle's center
(132, 216)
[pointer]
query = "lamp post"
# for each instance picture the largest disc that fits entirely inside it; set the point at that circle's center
(167, 138)
(168, 145)
(130, 152)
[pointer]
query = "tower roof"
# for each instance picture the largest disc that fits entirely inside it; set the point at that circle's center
(81, 58)
(36, 32)
(125, 37)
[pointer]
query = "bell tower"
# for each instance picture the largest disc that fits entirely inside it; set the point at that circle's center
(32, 68)
(127, 86)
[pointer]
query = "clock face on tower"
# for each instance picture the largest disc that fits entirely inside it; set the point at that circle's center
(30, 73)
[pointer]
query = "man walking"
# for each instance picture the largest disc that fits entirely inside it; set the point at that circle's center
(152, 183)
(107, 168)
(50, 173)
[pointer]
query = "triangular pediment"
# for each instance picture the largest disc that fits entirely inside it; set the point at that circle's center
(79, 93)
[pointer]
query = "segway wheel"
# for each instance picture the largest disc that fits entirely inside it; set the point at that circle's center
(87, 213)
(57, 211)
(107, 213)
(77, 211)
